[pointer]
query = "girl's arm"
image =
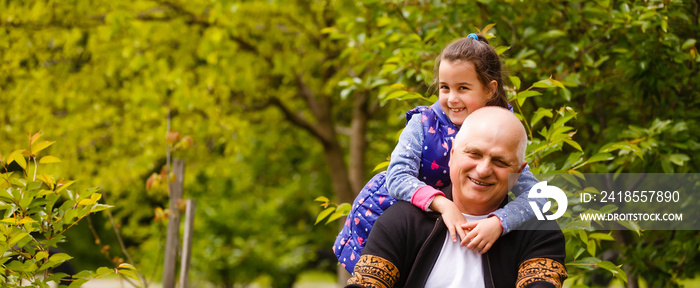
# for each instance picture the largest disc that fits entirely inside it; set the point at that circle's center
(402, 174)
(516, 212)
(403, 183)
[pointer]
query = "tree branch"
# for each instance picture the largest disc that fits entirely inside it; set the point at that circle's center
(413, 28)
(308, 95)
(300, 121)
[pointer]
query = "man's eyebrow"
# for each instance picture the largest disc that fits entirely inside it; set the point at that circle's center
(471, 149)
(504, 159)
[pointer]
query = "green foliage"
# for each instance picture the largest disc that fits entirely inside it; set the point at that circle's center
(37, 211)
(331, 210)
(268, 89)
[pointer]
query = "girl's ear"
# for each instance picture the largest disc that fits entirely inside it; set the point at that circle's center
(493, 85)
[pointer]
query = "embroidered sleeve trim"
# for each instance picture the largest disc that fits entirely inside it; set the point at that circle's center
(375, 272)
(541, 270)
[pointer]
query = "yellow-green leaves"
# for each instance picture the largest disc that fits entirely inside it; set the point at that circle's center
(49, 159)
(331, 211)
(17, 156)
(28, 208)
(36, 148)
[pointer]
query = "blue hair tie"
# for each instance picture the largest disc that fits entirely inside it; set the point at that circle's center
(473, 36)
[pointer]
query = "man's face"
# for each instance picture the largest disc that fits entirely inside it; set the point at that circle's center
(480, 166)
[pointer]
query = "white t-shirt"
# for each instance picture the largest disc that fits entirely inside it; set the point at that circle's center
(457, 266)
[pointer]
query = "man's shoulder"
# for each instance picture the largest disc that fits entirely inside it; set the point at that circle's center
(404, 211)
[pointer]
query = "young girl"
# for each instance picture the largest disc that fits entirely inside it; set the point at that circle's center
(469, 77)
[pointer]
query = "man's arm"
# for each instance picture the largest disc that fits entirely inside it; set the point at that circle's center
(541, 272)
(542, 263)
(374, 271)
(391, 247)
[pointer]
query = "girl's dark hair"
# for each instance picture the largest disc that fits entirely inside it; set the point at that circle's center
(485, 60)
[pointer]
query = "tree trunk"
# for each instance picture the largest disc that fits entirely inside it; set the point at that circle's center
(358, 145)
(339, 172)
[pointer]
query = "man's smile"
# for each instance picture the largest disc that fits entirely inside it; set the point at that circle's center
(477, 182)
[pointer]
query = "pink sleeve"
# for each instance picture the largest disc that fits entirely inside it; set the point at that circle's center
(424, 196)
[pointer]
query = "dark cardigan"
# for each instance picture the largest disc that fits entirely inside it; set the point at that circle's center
(412, 239)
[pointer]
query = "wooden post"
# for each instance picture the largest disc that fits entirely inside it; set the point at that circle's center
(341, 273)
(173, 233)
(187, 244)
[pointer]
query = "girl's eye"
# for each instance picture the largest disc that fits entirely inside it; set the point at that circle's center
(463, 88)
(444, 87)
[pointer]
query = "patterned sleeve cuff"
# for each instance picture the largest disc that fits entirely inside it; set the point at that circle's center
(424, 196)
(541, 270)
(374, 271)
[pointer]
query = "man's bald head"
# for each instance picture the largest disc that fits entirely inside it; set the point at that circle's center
(486, 159)
(501, 122)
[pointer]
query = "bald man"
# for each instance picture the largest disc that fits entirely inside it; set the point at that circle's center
(409, 247)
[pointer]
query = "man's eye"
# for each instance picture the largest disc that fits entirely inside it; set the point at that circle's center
(501, 163)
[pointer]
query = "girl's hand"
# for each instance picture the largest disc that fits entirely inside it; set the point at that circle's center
(483, 233)
(451, 215)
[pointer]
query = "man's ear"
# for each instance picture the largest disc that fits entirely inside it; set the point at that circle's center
(452, 151)
(522, 167)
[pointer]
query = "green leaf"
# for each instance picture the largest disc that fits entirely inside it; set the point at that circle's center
(553, 34)
(584, 237)
(600, 157)
(688, 43)
(557, 83)
(395, 94)
(602, 236)
(591, 247)
(397, 86)
(60, 257)
(522, 96)
(501, 49)
(49, 159)
(529, 93)
(546, 83)
(679, 159)
(77, 283)
(322, 199)
(381, 166)
(340, 211)
(16, 237)
(516, 82)
(337, 214)
(41, 255)
(126, 266)
(128, 271)
(37, 147)
(539, 114)
(100, 207)
(573, 144)
(84, 274)
(102, 271)
(56, 277)
(17, 156)
(324, 214)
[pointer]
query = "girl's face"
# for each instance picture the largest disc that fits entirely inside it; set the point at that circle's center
(461, 92)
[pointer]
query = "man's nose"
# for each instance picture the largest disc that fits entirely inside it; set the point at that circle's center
(484, 168)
